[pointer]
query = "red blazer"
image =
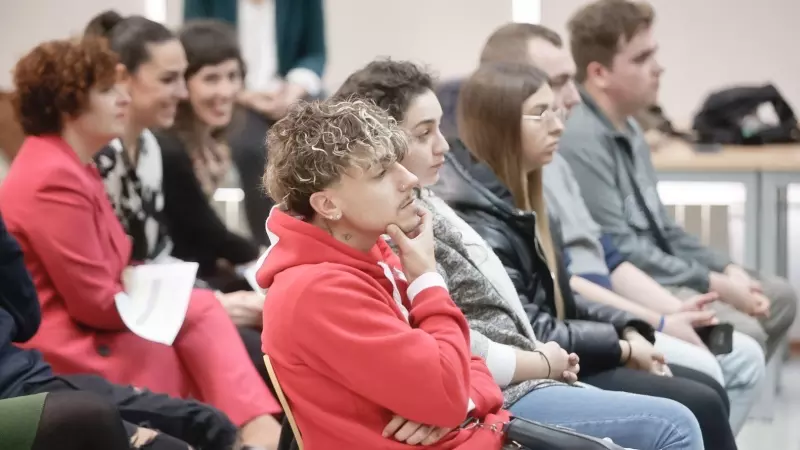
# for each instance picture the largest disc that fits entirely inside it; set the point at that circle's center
(76, 249)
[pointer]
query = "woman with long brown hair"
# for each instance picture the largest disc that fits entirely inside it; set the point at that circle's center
(509, 130)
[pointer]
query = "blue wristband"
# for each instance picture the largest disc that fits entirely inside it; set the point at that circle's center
(661, 323)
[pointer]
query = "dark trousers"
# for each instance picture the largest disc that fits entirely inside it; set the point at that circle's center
(695, 390)
(197, 424)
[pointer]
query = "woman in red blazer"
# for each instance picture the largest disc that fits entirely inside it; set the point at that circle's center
(53, 200)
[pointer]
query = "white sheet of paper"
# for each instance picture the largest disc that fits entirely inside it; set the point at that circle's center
(156, 298)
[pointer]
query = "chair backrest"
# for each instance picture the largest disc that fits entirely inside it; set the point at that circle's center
(11, 134)
(284, 402)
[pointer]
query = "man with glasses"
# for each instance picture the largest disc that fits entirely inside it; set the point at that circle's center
(602, 274)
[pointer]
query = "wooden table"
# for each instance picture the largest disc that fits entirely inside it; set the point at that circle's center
(679, 156)
(766, 173)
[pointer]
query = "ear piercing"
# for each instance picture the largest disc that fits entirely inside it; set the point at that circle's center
(336, 217)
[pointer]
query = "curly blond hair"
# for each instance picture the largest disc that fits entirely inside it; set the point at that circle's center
(313, 146)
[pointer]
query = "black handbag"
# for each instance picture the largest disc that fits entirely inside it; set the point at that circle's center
(527, 434)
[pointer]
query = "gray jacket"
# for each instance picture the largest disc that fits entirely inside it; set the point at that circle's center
(492, 320)
(610, 167)
(580, 232)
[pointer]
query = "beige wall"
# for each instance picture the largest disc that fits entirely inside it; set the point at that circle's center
(753, 44)
(710, 44)
(446, 34)
(25, 23)
(357, 30)
(360, 30)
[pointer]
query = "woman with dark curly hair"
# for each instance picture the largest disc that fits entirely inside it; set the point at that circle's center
(70, 105)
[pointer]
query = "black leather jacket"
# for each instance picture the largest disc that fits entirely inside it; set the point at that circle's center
(590, 329)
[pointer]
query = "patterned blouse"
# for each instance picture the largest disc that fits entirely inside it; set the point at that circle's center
(136, 193)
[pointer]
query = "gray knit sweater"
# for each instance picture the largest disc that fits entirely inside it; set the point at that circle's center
(491, 319)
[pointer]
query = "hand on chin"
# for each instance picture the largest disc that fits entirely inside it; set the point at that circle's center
(411, 226)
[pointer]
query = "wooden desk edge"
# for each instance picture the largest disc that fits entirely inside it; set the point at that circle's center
(678, 156)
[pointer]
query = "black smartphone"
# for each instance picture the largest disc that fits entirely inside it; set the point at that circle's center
(718, 338)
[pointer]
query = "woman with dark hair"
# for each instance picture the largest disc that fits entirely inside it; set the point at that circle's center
(54, 203)
(197, 162)
(283, 43)
(283, 46)
(510, 129)
(153, 62)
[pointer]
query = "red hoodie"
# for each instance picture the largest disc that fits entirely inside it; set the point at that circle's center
(353, 344)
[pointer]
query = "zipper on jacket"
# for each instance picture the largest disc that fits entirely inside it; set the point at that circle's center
(560, 314)
(539, 251)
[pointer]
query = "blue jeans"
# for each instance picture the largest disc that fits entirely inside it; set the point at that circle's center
(630, 420)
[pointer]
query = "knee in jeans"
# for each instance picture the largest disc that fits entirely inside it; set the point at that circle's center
(750, 364)
(681, 418)
(755, 330)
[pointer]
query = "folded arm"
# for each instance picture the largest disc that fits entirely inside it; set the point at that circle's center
(420, 371)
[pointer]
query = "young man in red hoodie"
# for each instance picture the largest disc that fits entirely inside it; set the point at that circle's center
(369, 348)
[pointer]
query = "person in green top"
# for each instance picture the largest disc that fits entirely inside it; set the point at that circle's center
(64, 420)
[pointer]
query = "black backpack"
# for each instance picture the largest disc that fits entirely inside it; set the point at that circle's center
(731, 116)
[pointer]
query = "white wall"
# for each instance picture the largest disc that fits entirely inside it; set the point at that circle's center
(709, 44)
(25, 23)
(704, 44)
(447, 34)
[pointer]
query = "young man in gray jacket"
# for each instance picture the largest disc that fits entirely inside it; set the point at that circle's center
(600, 273)
(614, 49)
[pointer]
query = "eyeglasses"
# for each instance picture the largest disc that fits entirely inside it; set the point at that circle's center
(552, 114)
